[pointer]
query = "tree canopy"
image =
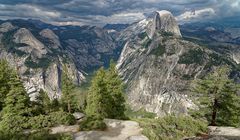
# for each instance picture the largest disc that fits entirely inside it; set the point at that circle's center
(218, 99)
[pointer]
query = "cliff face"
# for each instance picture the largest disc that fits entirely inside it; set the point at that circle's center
(31, 59)
(158, 66)
(39, 53)
(164, 21)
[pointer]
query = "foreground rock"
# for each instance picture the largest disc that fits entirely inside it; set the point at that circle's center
(117, 130)
(78, 115)
(229, 133)
(220, 133)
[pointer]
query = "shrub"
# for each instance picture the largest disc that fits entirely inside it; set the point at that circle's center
(16, 123)
(142, 35)
(55, 118)
(61, 117)
(192, 56)
(171, 127)
(42, 63)
(141, 113)
(159, 51)
(38, 135)
(92, 123)
(13, 123)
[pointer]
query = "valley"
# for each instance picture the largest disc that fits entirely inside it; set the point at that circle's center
(152, 79)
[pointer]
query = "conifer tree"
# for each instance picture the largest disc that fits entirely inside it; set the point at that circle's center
(115, 89)
(5, 72)
(17, 100)
(67, 91)
(218, 97)
(98, 99)
(43, 102)
(16, 106)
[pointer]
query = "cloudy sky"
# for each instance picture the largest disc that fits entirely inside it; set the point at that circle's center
(100, 12)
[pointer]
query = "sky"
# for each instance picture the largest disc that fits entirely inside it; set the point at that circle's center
(101, 12)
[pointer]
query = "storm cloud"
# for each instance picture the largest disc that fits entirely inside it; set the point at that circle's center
(100, 12)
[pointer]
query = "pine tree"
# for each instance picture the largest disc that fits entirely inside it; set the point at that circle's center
(98, 99)
(67, 91)
(43, 103)
(5, 72)
(16, 106)
(17, 100)
(218, 97)
(115, 89)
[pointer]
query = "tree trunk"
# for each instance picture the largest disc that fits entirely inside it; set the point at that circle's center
(69, 107)
(214, 113)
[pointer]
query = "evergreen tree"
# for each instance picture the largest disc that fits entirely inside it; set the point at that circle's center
(98, 99)
(16, 106)
(67, 91)
(218, 97)
(115, 89)
(5, 72)
(43, 103)
(17, 100)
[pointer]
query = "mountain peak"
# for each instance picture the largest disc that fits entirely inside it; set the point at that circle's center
(165, 21)
(163, 12)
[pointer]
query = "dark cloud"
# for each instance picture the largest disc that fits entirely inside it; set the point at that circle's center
(100, 12)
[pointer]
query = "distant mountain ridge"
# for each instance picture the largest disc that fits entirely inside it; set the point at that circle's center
(39, 51)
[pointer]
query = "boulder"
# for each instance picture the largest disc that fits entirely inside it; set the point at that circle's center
(139, 137)
(78, 115)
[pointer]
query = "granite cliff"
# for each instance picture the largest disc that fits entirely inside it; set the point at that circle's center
(158, 65)
(40, 51)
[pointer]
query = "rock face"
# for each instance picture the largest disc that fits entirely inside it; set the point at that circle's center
(116, 130)
(164, 21)
(158, 67)
(39, 53)
(34, 46)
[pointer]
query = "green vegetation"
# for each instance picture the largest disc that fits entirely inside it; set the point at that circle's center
(67, 91)
(159, 51)
(142, 35)
(19, 113)
(171, 127)
(187, 77)
(105, 96)
(42, 63)
(10, 45)
(192, 56)
(38, 135)
(92, 123)
(141, 113)
(219, 102)
(217, 60)
(147, 42)
(166, 34)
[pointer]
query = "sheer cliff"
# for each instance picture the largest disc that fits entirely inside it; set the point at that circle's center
(158, 65)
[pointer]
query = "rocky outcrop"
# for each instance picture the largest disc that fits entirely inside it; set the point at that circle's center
(39, 51)
(35, 62)
(158, 68)
(116, 130)
(164, 21)
(33, 46)
(35, 79)
(52, 37)
(5, 27)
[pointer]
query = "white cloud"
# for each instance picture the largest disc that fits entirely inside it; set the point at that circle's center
(99, 12)
(27, 11)
(194, 15)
